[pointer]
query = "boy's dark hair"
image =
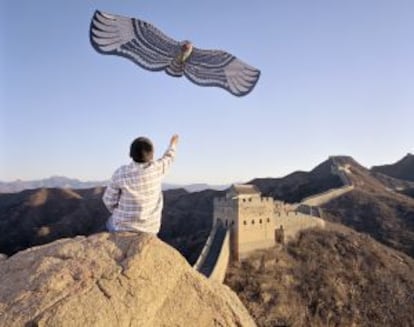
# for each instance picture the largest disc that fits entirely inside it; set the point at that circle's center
(141, 150)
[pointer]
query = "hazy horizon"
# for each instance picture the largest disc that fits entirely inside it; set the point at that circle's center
(188, 183)
(336, 78)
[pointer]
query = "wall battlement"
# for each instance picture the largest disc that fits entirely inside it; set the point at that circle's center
(254, 222)
(244, 221)
(245, 199)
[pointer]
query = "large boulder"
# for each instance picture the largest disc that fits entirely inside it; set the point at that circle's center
(122, 279)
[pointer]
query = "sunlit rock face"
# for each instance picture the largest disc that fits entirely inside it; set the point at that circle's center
(122, 279)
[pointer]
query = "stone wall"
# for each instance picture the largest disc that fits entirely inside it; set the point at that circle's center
(291, 222)
(246, 248)
(253, 221)
(206, 248)
(294, 222)
(219, 271)
(319, 199)
(256, 224)
(225, 210)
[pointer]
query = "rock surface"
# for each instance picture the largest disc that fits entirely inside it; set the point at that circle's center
(121, 279)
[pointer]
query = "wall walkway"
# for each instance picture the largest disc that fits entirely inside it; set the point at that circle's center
(322, 198)
(215, 255)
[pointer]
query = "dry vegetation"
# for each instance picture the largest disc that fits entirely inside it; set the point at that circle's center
(386, 216)
(333, 277)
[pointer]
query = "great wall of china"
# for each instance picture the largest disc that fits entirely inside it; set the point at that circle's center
(245, 221)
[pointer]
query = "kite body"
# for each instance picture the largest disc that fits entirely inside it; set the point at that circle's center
(151, 49)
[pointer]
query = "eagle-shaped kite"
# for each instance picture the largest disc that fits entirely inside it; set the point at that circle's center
(151, 49)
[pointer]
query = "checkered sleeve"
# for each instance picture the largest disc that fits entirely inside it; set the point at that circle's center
(167, 159)
(112, 194)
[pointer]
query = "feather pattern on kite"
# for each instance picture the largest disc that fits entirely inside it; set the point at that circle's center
(151, 49)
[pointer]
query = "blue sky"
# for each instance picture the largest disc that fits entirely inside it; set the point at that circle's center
(337, 78)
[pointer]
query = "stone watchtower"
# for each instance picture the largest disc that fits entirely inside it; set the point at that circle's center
(249, 217)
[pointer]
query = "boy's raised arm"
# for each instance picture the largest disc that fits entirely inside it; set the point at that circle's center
(169, 155)
(174, 140)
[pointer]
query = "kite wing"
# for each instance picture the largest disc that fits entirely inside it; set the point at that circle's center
(222, 69)
(134, 39)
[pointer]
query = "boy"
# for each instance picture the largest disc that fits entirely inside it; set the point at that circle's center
(134, 195)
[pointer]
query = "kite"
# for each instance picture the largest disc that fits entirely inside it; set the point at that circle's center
(151, 49)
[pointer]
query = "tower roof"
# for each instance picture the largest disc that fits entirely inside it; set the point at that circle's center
(245, 189)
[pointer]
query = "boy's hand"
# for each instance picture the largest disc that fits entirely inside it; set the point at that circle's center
(174, 140)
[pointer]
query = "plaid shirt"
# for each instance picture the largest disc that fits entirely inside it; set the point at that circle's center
(134, 195)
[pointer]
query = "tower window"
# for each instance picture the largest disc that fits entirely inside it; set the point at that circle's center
(268, 220)
(244, 222)
(260, 221)
(252, 221)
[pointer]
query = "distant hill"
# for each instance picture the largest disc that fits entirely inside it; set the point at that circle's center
(187, 220)
(299, 185)
(402, 169)
(408, 192)
(198, 187)
(373, 207)
(34, 217)
(51, 182)
(72, 183)
(393, 183)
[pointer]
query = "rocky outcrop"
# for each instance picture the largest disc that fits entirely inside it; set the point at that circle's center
(3, 256)
(121, 279)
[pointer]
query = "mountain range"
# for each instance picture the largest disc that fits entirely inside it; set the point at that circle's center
(316, 179)
(51, 182)
(356, 272)
(377, 206)
(73, 183)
